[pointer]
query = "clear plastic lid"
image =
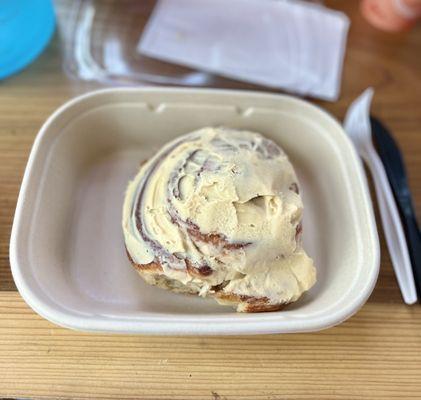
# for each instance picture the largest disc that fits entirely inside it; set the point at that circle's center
(295, 46)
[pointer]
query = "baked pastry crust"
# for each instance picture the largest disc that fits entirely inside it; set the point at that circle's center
(153, 274)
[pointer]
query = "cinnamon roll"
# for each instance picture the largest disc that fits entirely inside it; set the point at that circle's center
(217, 212)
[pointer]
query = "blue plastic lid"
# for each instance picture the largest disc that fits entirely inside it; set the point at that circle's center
(26, 27)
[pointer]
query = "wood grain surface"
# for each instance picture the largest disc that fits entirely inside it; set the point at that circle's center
(374, 355)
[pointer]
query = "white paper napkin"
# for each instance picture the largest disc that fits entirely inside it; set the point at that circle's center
(292, 45)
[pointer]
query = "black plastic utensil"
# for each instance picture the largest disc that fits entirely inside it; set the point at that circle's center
(395, 168)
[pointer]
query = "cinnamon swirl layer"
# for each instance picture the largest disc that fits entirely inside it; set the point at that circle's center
(217, 212)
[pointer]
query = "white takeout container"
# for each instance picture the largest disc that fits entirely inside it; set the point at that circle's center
(67, 251)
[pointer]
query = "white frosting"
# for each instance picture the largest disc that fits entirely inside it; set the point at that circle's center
(224, 200)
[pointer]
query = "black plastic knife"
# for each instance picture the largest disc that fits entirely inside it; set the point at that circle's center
(395, 169)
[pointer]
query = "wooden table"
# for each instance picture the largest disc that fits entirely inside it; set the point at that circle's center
(375, 355)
